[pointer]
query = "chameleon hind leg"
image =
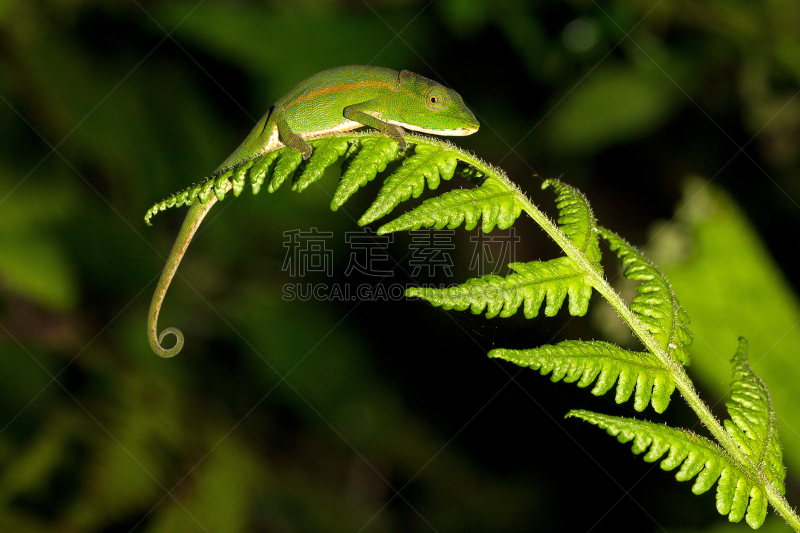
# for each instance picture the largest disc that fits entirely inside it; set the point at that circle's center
(354, 112)
(285, 133)
(192, 221)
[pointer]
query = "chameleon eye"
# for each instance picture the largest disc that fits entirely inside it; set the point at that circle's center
(436, 99)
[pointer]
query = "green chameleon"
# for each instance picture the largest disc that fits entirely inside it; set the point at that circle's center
(334, 100)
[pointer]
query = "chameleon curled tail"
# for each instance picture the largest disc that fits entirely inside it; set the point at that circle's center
(193, 219)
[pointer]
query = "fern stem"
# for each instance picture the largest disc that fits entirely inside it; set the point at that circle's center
(683, 382)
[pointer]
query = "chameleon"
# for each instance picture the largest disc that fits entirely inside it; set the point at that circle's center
(335, 100)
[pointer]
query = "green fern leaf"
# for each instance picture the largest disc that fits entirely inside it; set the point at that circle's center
(185, 197)
(239, 177)
(752, 424)
(372, 154)
(263, 168)
(576, 220)
(371, 158)
(326, 152)
(279, 165)
(738, 491)
(583, 362)
(496, 204)
(530, 284)
(176, 200)
(222, 184)
(428, 162)
(234, 178)
(655, 305)
(471, 174)
(285, 167)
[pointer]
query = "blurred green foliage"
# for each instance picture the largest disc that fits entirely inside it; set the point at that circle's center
(309, 416)
(749, 297)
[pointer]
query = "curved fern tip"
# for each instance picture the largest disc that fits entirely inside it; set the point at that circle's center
(415, 292)
(741, 351)
(576, 413)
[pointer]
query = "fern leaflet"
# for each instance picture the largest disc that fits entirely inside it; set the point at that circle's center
(286, 166)
(738, 491)
(583, 362)
(363, 165)
(239, 176)
(326, 152)
(530, 284)
(576, 220)
(496, 204)
(262, 169)
(752, 424)
(428, 162)
(655, 305)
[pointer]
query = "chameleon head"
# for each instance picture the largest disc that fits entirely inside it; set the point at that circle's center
(429, 107)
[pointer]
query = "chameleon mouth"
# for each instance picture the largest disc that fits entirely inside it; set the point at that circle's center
(454, 132)
(467, 131)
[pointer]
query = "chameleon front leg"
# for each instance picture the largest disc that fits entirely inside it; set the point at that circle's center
(355, 113)
(193, 219)
(285, 133)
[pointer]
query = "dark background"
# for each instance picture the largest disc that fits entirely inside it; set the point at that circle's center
(369, 416)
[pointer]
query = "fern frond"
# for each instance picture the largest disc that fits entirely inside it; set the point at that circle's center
(576, 220)
(530, 284)
(362, 165)
(583, 362)
(738, 490)
(493, 202)
(752, 424)
(429, 162)
(656, 304)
